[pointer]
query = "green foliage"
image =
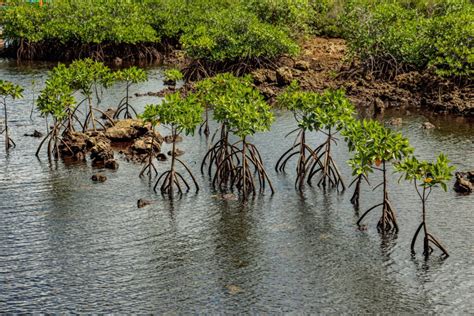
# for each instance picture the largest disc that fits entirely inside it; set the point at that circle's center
(230, 35)
(184, 114)
(56, 98)
(313, 111)
(429, 174)
(374, 144)
(131, 75)
(412, 34)
(173, 74)
(238, 104)
(217, 90)
(9, 89)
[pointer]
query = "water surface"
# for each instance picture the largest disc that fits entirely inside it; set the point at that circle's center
(70, 245)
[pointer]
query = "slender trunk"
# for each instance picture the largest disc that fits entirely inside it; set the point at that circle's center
(385, 195)
(244, 168)
(7, 139)
(425, 230)
(173, 153)
(127, 114)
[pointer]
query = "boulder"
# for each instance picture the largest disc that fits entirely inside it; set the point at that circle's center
(74, 145)
(98, 177)
(284, 76)
(101, 152)
(396, 121)
(464, 182)
(142, 203)
(302, 65)
(35, 134)
(379, 106)
(144, 144)
(161, 157)
(108, 114)
(427, 125)
(126, 130)
(111, 164)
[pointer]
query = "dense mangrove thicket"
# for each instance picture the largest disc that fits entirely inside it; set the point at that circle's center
(388, 36)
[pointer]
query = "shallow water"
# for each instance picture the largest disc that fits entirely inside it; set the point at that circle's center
(68, 244)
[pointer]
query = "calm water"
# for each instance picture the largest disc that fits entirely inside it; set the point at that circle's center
(70, 245)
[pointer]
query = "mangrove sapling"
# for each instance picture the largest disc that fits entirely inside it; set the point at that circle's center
(8, 89)
(353, 134)
(245, 113)
(426, 176)
(172, 76)
(379, 146)
(130, 76)
(150, 116)
(181, 115)
(56, 100)
(217, 92)
(86, 76)
(327, 113)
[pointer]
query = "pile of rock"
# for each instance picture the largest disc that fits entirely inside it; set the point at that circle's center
(464, 182)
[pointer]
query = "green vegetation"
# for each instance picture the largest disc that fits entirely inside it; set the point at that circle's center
(172, 75)
(388, 36)
(239, 109)
(396, 36)
(131, 76)
(182, 115)
(8, 89)
(374, 147)
(426, 176)
(327, 113)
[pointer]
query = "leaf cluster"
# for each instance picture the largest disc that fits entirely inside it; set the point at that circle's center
(181, 113)
(9, 89)
(372, 143)
(429, 174)
(173, 74)
(131, 75)
(315, 111)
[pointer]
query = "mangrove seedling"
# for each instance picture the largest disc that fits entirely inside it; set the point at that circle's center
(181, 115)
(217, 92)
(425, 176)
(379, 146)
(354, 134)
(172, 76)
(56, 100)
(8, 89)
(327, 113)
(245, 113)
(129, 76)
(150, 116)
(86, 76)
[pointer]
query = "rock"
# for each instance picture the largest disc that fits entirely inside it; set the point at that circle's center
(126, 130)
(169, 82)
(144, 144)
(74, 145)
(427, 125)
(177, 152)
(464, 182)
(302, 65)
(169, 139)
(396, 121)
(379, 106)
(161, 157)
(142, 203)
(261, 76)
(284, 76)
(36, 134)
(98, 177)
(111, 164)
(101, 152)
(118, 61)
(108, 114)
(267, 92)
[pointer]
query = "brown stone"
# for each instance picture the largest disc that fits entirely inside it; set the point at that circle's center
(284, 76)
(98, 177)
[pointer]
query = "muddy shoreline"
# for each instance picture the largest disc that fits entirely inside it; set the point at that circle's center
(323, 64)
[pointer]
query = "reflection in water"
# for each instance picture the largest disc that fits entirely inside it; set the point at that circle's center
(68, 244)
